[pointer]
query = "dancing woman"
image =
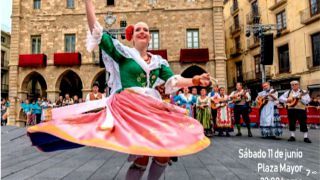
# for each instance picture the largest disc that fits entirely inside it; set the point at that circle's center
(146, 127)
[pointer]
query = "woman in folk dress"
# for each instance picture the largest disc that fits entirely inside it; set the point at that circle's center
(186, 100)
(146, 126)
(203, 112)
(224, 120)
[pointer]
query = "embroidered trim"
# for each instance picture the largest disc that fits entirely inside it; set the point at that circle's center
(171, 84)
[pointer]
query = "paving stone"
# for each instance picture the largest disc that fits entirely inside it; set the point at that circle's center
(219, 161)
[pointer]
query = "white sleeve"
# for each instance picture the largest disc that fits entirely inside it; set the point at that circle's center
(305, 99)
(93, 39)
(275, 95)
(232, 94)
(249, 97)
(88, 97)
(209, 102)
(197, 102)
(171, 84)
(284, 98)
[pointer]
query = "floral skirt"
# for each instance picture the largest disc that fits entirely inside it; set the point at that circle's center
(142, 125)
(274, 128)
(224, 120)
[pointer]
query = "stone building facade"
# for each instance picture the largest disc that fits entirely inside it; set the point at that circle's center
(296, 54)
(48, 55)
(5, 54)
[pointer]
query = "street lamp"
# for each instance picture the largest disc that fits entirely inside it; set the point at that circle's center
(260, 30)
(114, 32)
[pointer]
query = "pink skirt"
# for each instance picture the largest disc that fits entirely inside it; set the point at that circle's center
(142, 126)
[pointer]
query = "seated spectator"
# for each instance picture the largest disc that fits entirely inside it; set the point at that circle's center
(44, 103)
(59, 102)
(80, 100)
(67, 100)
(50, 104)
(75, 99)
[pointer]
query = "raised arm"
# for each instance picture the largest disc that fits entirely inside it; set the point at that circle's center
(91, 16)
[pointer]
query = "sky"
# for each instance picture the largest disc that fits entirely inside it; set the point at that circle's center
(5, 14)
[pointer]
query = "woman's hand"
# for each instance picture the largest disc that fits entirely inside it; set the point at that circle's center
(201, 80)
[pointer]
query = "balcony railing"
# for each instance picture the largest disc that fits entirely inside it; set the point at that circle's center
(4, 87)
(160, 52)
(253, 17)
(67, 59)
(200, 55)
(234, 29)
(234, 8)
(32, 60)
(235, 51)
(311, 13)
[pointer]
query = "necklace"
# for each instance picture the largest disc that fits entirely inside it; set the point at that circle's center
(147, 60)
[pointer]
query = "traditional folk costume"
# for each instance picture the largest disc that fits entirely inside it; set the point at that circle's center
(297, 112)
(134, 120)
(186, 102)
(270, 122)
(241, 108)
(67, 102)
(204, 114)
(46, 108)
(213, 95)
(94, 96)
(224, 120)
(195, 107)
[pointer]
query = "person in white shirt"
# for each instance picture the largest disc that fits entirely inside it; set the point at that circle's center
(94, 94)
(296, 100)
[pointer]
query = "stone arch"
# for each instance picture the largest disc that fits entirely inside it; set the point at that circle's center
(69, 82)
(192, 71)
(101, 78)
(34, 85)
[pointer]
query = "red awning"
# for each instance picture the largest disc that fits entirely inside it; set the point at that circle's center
(67, 59)
(32, 60)
(194, 55)
(162, 53)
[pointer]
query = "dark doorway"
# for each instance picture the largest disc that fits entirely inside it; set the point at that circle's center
(35, 85)
(71, 84)
(192, 71)
(101, 78)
